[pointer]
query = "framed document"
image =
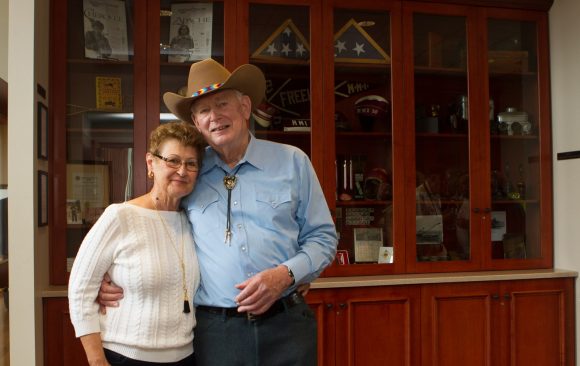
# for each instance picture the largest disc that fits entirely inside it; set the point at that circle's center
(105, 28)
(190, 32)
(88, 186)
(367, 244)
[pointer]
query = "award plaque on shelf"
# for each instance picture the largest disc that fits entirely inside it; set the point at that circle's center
(108, 91)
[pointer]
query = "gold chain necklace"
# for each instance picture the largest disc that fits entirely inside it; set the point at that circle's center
(186, 308)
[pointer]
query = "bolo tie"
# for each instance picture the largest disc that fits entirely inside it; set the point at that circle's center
(230, 181)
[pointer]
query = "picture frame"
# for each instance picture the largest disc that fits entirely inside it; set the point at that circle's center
(42, 131)
(105, 30)
(42, 197)
(88, 183)
(367, 244)
(190, 32)
(342, 257)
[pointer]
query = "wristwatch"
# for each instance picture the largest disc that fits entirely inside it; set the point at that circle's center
(291, 274)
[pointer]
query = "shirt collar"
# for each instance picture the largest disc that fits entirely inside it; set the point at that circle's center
(252, 156)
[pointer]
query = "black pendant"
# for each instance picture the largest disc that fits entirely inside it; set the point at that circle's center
(186, 308)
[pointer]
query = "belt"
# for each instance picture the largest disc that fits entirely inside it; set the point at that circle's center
(277, 307)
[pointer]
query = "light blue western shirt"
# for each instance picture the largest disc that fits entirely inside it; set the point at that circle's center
(278, 216)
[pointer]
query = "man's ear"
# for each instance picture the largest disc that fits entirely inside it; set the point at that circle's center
(246, 107)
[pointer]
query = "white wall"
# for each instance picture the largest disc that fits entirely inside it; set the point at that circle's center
(4, 39)
(565, 73)
(27, 31)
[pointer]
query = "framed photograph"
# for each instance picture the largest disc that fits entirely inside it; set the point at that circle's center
(87, 190)
(42, 131)
(429, 229)
(42, 198)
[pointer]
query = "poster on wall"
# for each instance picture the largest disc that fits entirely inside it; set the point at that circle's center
(105, 28)
(190, 32)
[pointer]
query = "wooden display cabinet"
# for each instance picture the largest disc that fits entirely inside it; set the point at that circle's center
(368, 326)
(500, 323)
(438, 66)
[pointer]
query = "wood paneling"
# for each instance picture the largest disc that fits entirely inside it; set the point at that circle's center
(61, 347)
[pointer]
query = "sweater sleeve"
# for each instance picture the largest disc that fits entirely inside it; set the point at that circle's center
(93, 260)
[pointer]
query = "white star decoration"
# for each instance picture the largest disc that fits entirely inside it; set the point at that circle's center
(286, 49)
(340, 46)
(287, 32)
(300, 49)
(359, 49)
(272, 49)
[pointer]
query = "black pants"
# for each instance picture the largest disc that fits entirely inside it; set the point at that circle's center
(285, 339)
(117, 359)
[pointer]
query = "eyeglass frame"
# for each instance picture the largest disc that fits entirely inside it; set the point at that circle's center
(181, 162)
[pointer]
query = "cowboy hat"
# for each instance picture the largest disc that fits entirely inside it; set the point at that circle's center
(209, 76)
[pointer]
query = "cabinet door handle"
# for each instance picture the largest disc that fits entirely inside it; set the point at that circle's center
(495, 297)
(329, 305)
(487, 210)
(476, 210)
(342, 305)
(507, 296)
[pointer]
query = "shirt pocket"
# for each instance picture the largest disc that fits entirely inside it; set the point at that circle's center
(275, 207)
(204, 213)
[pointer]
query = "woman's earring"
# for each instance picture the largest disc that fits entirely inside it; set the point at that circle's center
(150, 175)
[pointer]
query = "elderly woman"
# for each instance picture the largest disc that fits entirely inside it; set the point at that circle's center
(146, 247)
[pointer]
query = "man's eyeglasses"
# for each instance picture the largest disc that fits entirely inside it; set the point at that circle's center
(175, 163)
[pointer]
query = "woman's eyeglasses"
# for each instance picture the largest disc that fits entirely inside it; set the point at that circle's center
(175, 163)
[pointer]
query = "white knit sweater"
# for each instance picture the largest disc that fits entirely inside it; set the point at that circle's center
(131, 244)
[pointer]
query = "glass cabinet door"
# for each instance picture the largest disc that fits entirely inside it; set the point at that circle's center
(514, 139)
(363, 126)
(441, 130)
(99, 115)
(279, 44)
(189, 31)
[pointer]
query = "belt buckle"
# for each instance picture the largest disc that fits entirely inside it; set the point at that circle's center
(251, 317)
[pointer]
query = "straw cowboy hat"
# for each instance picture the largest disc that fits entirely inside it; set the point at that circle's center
(208, 76)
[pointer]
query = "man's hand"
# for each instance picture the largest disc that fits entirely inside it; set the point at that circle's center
(303, 288)
(109, 294)
(261, 291)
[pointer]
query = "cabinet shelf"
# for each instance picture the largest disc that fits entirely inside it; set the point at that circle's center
(446, 71)
(362, 203)
(514, 202)
(372, 135)
(441, 135)
(88, 61)
(514, 137)
(278, 134)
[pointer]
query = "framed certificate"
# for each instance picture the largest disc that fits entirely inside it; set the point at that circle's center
(88, 186)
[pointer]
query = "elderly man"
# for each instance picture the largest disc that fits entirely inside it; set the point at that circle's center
(261, 227)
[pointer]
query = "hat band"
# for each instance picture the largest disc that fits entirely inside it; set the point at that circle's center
(206, 89)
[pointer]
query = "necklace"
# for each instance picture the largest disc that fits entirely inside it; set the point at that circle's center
(186, 308)
(230, 181)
